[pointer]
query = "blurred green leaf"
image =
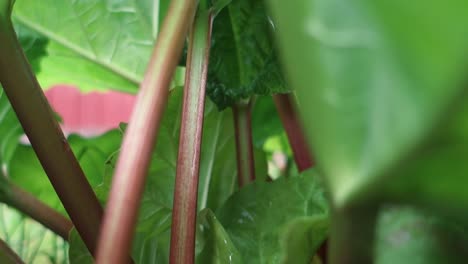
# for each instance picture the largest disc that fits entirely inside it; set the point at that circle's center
(437, 173)
(213, 243)
(412, 236)
(383, 75)
(10, 130)
(78, 253)
(93, 44)
(242, 60)
(264, 219)
(92, 153)
(34, 46)
(265, 120)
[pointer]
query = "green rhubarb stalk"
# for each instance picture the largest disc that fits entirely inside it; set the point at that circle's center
(188, 162)
(132, 167)
(44, 133)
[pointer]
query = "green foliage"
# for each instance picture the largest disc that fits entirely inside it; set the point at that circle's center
(407, 235)
(388, 112)
(264, 219)
(380, 89)
(381, 79)
(217, 178)
(93, 44)
(92, 153)
(213, 243)
(5, 9)
(10, 130)
(243, 61)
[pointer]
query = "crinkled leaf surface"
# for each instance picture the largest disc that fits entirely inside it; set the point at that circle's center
(373, 78)
(263, 219)
(408, 235)
(243, 61)
(93, 44)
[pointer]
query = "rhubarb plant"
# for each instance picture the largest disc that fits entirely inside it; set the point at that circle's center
(263, 131)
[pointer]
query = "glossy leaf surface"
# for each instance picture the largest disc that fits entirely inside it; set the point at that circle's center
(264, 219)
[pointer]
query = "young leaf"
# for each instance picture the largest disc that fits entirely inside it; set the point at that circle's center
(262, 219)
(243, 61)
(381, 80)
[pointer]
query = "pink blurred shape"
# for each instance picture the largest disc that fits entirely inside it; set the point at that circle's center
(89, 114)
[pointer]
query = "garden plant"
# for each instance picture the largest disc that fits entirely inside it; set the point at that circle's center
(264, 131)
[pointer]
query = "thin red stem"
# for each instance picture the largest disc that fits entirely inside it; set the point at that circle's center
(244, 146)
(132, 167)
(292, 125)
(46, 137)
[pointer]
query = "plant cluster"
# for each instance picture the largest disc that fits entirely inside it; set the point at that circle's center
(365, 100)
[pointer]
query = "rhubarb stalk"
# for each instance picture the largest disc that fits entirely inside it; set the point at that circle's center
(244, 147)
(188, 162)
(292, 125)
(132, 166)
(47, 139)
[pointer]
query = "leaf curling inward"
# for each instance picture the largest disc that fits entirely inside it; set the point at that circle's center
(243, 60)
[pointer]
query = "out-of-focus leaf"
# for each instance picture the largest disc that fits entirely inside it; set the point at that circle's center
(94, 44)
(407, 235)
(265, 121)
(10, 130)
(78, 253)
(242, 60)
(92, 153)
(263, 218)
(302, 235)
(373, 79)
(213, 243)
(437, 173)
(34, 46)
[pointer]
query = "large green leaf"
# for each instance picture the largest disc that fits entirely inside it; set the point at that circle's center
(242, 60)
(93, 44)
(373, 78)
(264, 220)
(437, 173)
(408, 235)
